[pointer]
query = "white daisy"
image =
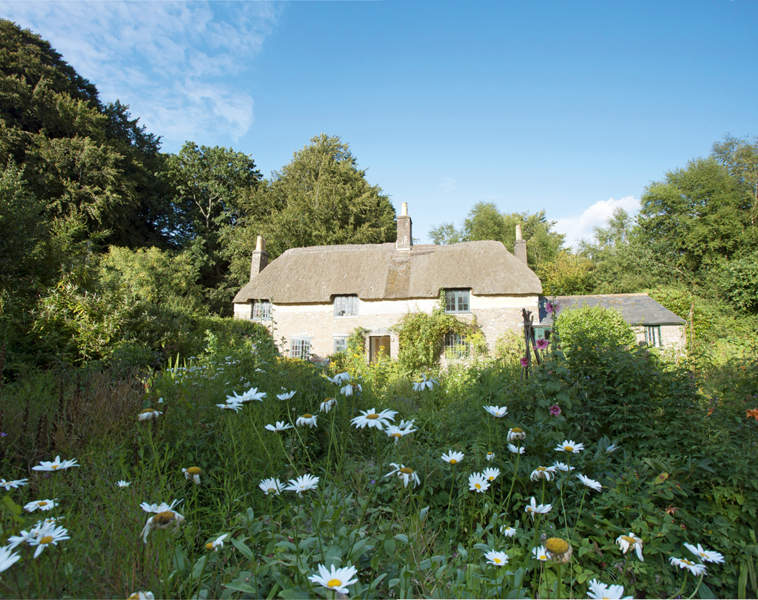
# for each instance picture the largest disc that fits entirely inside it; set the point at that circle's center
(26, 537)
(561, 466)
(705, 555)
(216, 544)
(12, 484)
(158, 508)
(55, 465)
(335, 579)
(40, 505)
(494, 557)
(193, 473)
(491, 473)
(516, 449)
(452, 457)
(569, 446)
(47, 535)
(497, 411)
(407, 474)
(148, 414)
(401, 430)
(537, 509)
(350, 388)
(141, 596)
(235, 406)
(370, 418)
(540, 553)
(478, 483)
(542, 473)
(489, 456)
(340, 378)
(424, 384)
(590, 483)
(271, 486)
(306, 419)
(161, 520)
(7, 558)
(516, 433)
(327, 405)
(599, 590)
(630, 541)
(286, 395)
(302, 484)
(685, 563)
(122, 483)
(507, 531)
(280, 426)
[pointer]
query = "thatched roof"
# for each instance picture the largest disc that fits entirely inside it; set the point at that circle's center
(381, 272)
(637, 309)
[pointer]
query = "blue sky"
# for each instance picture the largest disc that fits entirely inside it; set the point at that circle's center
(568, 107)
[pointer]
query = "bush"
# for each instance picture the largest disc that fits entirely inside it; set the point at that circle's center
(593, 327)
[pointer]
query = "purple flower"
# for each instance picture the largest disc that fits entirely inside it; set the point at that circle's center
(551, 308)
(542, 344)
(524, 361)
(3, 434)
(555, 410)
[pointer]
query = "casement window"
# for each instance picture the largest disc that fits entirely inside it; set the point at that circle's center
(345, 306)
(457, 301)
(300, 347)
(340, 343)
(261, 310)
(456, 346)
(653, 335)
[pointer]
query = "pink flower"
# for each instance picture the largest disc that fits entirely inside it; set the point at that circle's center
(551, 308)
(542, 344)
(524, 361)
(555, 410)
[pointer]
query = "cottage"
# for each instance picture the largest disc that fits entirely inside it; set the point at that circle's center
(313, 298)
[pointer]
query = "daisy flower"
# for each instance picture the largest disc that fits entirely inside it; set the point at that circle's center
(516, 449)
(561, 466)
(286, 395)
(540, 553)
(12, 484)
(158, 508)
(335, 579)
(507, 531)
(600, 591)
(630, 541)
(496, 411)
(7, 558)
(533, 508)
(253, 394)
(590, 483)
(193, 473)
(40, 505)
(141, 596)
(542, 473)
(161, 520)
(424, 384)
(497, 558)
(280, 426)
(452, 457)
(489, 456)
(478, 483)
(370, 418)
(407, 474)
(55, 465)
(302, 484)
(350, 388)
(685, 563)
(491, 473)
(122, 483)
(148, 414)
(401, 430)
(216, 544)
(340, 378)
(51, 534)
(306, 419)
(516, 433)
(271, 486)
(235, 406)
(327, 405)
(569, 446)
(705, 555)
(612, 448)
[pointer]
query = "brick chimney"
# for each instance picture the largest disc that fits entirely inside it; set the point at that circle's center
(519, 248)
(404, 229)
(260, 257)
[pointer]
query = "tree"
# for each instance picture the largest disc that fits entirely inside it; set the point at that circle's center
(741, 160)
(566, 274)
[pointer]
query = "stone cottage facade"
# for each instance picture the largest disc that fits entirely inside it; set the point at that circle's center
(313, 298)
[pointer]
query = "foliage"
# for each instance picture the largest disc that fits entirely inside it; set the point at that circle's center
(737, 281)
(593, 328)
(566, 274)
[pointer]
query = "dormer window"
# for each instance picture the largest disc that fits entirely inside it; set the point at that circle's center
(261, 310)
(457, 301)
(345, 306)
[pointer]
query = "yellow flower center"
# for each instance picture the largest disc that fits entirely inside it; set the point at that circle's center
(42, 503)
(333, 583)
(453, 461)
(497, 561)
(556, 545)
(568, 448)
(53, 467)
(541, 469)
(490, 454)
(194, 470)
(490, 478)
(517, 430)
(688, 562)
(307, 416)
(406, 470)
(396, 435)
(372, 416)
(46, 540)
(478, 486)
(165, 517)
(629, 540)
(144, 411)
(543, 557)
(209, 546)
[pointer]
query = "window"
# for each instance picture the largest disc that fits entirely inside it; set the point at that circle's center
(300, 348)
(457, 301)
(262, 310)
(345, 306)
(340, 343)
(456, 346)
(653, 335)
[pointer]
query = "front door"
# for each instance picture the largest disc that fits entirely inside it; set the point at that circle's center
(378, 345)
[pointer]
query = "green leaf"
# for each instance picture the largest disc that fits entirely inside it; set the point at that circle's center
(241, 587)
(199, 566)
(401, 537)
(389, 547)
(705, 591)
(242, 547)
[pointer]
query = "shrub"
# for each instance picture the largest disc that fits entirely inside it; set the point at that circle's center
(593, 327)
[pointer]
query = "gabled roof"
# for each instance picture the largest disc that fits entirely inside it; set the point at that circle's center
(381, 272)
(637, 309)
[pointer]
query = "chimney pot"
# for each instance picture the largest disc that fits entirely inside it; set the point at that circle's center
(259, 259)
(519, 247)
(404, 229)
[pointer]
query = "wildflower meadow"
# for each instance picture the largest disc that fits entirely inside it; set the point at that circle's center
(241, 474)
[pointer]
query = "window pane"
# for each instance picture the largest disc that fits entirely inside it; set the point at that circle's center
(340, 344)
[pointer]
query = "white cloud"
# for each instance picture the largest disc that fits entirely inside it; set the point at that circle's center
(581, 227)
(176, 64)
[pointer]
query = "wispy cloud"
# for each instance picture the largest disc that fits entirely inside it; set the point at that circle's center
(581, 227)
(171, 62)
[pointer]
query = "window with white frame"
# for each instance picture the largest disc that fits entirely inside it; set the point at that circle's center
(457, 301)
(345, 306)
(262, 310)
(340, 343)
(653, 335)
(456, 346)
(300, 347)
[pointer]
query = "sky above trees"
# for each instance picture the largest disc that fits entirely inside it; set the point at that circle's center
(570, 108)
